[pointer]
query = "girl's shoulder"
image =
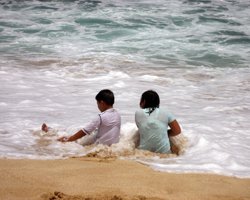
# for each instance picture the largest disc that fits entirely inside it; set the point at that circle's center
(139, 111)
(166, 113)
(163, 110)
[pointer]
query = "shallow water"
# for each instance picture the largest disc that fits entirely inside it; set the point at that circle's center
(55, 57)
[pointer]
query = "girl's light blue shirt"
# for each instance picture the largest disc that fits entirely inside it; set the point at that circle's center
(153, 129)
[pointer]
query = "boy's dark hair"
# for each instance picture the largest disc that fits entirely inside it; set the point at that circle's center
(151, 99)
(107, 96)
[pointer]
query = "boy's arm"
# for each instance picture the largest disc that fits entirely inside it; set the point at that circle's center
(175, 128)
(74, 137)
(89, 128)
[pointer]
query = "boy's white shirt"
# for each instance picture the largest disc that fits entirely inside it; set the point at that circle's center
(107, 124)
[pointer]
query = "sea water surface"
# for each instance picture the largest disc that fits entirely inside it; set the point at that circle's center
(55, 56)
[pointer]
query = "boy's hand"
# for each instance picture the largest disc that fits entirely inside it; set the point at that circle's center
(63, 139)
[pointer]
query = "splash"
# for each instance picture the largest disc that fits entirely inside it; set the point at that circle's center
(126, 148)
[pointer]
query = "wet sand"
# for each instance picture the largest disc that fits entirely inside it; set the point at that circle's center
(110, 179)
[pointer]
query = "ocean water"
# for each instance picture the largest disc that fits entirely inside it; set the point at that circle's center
(56, 56)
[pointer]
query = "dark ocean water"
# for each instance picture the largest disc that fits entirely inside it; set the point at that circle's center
(169, 33)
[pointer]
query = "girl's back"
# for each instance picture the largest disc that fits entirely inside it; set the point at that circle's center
(153, 129)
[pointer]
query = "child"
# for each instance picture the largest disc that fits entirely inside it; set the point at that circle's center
(107, 123)
(153, 123)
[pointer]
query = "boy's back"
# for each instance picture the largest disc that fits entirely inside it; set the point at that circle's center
(108, 124)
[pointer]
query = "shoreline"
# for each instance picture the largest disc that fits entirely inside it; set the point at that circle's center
(94, 178)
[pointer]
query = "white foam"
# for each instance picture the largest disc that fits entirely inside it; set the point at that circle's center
(149, 78)
(3, 104)
(217, 144)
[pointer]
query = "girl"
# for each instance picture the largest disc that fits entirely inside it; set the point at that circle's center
(153, 123)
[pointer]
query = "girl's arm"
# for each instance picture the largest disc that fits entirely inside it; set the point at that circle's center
(175, 128)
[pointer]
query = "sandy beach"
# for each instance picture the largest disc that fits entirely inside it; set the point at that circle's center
(94, 178)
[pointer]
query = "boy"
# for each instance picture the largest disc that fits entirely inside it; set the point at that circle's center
(107, 123)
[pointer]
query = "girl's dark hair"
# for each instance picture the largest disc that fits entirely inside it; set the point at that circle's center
(151, 100)
(107, 96)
